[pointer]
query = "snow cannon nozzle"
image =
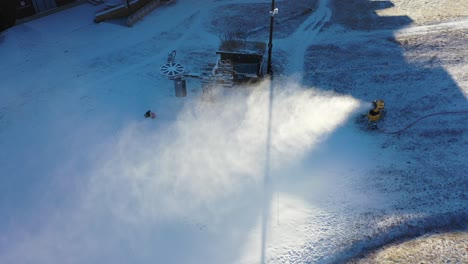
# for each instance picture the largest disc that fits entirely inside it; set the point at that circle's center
(376, 113)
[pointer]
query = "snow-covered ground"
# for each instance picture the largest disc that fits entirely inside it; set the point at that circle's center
(430, 248)
(85, 178)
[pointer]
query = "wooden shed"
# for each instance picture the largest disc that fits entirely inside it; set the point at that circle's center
(247, 58)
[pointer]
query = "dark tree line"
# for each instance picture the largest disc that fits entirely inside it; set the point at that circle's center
(7, 13)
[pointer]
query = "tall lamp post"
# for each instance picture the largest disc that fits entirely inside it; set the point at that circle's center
(273, 12)
(266, 177)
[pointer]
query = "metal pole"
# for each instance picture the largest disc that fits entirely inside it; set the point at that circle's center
(267, 196)
(270, 43)
(128, 4)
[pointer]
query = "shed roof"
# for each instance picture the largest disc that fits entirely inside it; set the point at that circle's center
(245, 47)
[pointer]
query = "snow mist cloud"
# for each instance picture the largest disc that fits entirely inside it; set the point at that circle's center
(157, 185)
(214, 150)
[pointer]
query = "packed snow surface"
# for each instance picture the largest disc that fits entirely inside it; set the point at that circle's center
(280, 171)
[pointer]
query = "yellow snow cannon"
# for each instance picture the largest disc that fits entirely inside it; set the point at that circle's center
(376, 113)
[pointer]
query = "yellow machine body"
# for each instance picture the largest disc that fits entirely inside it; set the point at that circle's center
(376, 112)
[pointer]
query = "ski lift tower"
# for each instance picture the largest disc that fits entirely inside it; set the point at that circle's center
(175, 71)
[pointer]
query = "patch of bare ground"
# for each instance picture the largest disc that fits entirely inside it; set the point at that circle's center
(254, 20)
(373, 14)
(438, 248)
(424, 12)
(446, 48)
(362, 15)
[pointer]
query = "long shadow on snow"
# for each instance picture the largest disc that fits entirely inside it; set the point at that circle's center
(407, 73)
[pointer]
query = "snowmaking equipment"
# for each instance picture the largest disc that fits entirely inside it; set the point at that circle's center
(176, 72)
(376, 113)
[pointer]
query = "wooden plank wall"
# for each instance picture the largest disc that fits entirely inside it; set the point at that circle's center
(132, 19)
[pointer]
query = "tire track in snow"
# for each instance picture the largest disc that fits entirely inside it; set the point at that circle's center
(303, 37)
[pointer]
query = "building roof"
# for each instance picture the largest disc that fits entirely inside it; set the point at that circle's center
(243, 47)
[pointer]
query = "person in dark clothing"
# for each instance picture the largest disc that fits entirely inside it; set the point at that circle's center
(149, 114)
